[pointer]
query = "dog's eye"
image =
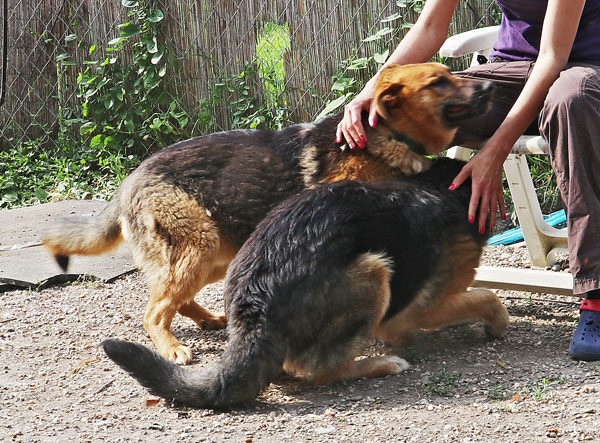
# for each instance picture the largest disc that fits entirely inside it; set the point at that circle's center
(439, 82)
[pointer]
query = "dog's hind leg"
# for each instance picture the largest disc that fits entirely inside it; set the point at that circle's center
(173, 289)
(444, 300)
(354, 309)
(176, 244)
(466, 307)
(203, 317)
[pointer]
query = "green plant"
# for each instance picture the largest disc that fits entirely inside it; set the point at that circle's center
(255, 97)
(497, 392)
(444, 383)
(125, 103)
(539, 389)
(30, 173)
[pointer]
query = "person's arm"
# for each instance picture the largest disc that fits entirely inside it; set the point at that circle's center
(421, 43)
(485, 168)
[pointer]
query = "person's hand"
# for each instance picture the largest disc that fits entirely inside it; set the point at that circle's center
(485, 171)
(351, 128)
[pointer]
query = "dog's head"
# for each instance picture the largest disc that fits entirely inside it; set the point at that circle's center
(427, 103)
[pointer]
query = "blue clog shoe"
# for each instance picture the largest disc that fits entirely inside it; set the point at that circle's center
(586, 341)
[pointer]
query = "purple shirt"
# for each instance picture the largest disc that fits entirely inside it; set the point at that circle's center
(521, 28)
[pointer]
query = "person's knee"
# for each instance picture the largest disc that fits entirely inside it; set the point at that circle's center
(568, 95)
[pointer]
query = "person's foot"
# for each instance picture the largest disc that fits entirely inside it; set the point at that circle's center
(586, 340)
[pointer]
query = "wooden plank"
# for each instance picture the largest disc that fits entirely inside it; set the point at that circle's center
(529, 280)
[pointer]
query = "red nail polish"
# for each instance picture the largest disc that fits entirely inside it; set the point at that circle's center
(364, 140)
(361, 146)
(373, 123)
(492, 228)
(471, 219)
(504, 217)
(481, 231)
(451, 187)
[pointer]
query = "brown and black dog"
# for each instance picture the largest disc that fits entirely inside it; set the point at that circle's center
(187, 210)
(325, 272)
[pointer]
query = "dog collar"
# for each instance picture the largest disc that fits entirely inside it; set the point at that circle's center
(412, 144)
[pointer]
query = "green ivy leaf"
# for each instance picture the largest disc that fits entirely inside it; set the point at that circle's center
(96, 140)
(333, 105)
(115, 41)
(155, 15)
(156, 58)
(378, 34)
(130, 29)
(10, 196)
(392, 17)
(130, 3)
(41, 195)
(381, 57)
(359, 63)
(151, 45)
(86, 128)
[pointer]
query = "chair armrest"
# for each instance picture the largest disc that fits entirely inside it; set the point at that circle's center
(531, 144)
(476, 40)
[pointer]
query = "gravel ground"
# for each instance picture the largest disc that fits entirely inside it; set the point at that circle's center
(56, 385)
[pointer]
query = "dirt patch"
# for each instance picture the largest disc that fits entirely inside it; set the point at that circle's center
(56, 385)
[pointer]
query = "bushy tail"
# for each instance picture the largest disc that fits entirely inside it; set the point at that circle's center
(84, 235)
(238, 378)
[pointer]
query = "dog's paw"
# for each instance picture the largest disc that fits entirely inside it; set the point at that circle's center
(397, 340)
(496, 326)
(396, 364)
(181, 355)
(216, 321)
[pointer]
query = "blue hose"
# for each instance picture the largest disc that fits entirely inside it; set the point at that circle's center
(516, 234)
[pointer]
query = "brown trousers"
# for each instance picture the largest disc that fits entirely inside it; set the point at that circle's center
(570, 122)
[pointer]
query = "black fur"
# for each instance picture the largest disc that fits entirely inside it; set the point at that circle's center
(289, 283)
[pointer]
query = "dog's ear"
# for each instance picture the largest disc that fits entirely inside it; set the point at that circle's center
(387, 95)
(388, 90)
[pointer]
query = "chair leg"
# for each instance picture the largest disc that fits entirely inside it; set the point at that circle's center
(540, 237)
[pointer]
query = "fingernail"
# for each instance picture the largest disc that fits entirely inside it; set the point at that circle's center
(451, 187)
(361, 146)
(471, 219)
(364, 140)
(373, 123)
(504, 217)
(337, 140)
(481, 231)
(492, 228)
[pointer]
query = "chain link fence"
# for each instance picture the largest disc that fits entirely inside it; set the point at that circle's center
(205, 65)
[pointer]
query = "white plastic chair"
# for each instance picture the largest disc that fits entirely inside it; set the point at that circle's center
(543, 241)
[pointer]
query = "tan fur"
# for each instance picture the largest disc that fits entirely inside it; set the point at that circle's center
(405, 92)
(446, 299)
(370, 285)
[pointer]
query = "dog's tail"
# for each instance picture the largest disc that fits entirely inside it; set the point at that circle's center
(243, 372)
(84, 235)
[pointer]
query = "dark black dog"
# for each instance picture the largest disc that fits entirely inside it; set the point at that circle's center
(325, 272)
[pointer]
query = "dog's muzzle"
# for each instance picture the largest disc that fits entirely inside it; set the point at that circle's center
(456, 113)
